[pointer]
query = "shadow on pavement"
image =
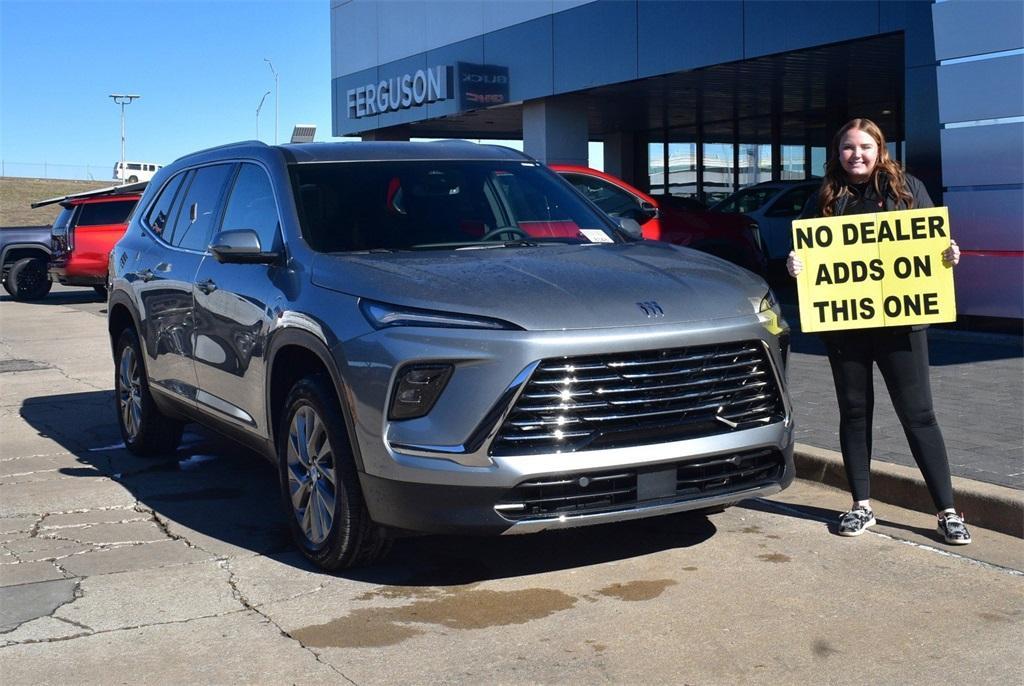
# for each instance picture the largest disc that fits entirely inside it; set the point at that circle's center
(223, 491)
(828, 518)
(77, 296)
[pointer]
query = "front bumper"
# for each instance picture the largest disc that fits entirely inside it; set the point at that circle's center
(448, 509)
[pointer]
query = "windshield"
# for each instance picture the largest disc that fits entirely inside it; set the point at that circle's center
(418, 205)
(746, 200)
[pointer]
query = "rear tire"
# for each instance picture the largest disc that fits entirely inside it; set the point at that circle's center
(327, 515)
(28, 280)
(146, 431)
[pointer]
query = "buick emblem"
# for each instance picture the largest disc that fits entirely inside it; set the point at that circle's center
(651, 308)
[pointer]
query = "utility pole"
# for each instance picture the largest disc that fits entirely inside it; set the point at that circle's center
(122, 100)
(277, 97)
(258, 108)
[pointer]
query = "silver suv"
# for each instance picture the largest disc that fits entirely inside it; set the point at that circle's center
(440, 337)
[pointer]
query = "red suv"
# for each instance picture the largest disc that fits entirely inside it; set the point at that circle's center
(674, 220)
(85, 232)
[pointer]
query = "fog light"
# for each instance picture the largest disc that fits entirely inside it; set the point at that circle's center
(417, 389)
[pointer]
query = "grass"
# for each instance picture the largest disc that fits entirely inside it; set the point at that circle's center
(16, 194)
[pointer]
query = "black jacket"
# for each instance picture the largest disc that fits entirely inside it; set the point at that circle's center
(888, 204)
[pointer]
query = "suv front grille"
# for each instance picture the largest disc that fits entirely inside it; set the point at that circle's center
(608, 491)
(611, 401)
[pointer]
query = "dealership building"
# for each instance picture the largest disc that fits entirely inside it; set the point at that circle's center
(703, 97)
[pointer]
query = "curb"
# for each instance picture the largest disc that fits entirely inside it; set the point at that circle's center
(988, 506)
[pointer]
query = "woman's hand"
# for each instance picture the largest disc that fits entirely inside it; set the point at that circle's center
(951, 255)
(794, 265)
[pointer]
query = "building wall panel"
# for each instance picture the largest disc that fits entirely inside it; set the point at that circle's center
(354, 37)
(989, 286)
(976, 27)
(987, 219)
(773, 27)
(594, 44)
(685, 35)
(983, 155)
(985, 89)
(527, 50)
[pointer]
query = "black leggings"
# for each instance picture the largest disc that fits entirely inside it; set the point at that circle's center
(902, 357)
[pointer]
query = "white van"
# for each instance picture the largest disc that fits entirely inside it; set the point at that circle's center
(135, 171)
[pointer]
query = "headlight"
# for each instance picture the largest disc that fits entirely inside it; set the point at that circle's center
(770, 315)
(382, 315)
(768, 302)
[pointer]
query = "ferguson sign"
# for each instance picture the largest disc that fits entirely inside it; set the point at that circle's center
(400, 92)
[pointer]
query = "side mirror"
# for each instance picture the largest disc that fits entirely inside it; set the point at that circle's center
(630, 228)
(241, 246)
(650, 211)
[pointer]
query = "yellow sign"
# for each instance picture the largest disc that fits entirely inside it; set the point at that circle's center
(868, 270)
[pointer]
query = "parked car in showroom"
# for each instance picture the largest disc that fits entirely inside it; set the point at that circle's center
(773, 205)
(681, 221)
(85, 232)
(24, 254)
(440, 337)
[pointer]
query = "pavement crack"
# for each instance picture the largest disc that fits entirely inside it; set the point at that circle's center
(73, 623)
(247, 604)
(59, 639)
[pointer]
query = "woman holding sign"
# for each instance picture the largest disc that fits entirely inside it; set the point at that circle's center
(860, 178)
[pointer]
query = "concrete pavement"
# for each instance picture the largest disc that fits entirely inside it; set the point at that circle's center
(172, 570)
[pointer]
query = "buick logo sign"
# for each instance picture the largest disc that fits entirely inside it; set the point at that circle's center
(651, 309)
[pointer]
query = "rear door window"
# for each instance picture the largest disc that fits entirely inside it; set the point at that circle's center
(160, 214)
(201, 207)
(102, 213)
(791, 203)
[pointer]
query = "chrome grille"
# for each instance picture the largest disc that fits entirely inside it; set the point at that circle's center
(612, 401)
(594, 492)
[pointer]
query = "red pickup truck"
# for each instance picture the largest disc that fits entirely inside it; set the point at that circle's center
(85, 232)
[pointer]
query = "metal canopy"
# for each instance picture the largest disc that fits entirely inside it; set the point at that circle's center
(805, 88)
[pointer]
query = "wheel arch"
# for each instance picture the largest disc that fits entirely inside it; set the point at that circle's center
(294, 354)
(15, 251)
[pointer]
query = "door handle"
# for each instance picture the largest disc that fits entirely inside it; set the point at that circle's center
(146, 275)
(207, 286)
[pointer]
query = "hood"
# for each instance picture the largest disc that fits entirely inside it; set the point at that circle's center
(552, 287)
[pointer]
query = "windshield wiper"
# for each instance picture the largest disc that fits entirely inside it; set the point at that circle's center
(519, 243)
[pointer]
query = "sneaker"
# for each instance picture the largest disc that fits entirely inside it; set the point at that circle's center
(856, 521)
(951, 528)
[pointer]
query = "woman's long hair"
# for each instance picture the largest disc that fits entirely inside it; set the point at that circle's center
(836, 183)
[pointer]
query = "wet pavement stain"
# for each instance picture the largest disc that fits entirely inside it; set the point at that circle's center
(750, 530)
(824, 649)
(774, 557)
(459, 609)
(637, 590)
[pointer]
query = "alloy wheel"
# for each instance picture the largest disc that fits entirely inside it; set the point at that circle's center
(129, 393)
(312, 478)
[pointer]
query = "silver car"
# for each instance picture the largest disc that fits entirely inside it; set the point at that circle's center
(441, 337)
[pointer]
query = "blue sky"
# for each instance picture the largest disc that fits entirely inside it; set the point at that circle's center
(197, 65)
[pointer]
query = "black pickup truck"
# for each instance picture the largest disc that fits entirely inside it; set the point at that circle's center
(25, 255)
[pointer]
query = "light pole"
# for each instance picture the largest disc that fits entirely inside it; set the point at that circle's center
(258, 108)
(277, 96)
(122, 100)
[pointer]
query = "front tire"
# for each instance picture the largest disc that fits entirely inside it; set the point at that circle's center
(145, 430)
(327, 516)
(28, 280)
